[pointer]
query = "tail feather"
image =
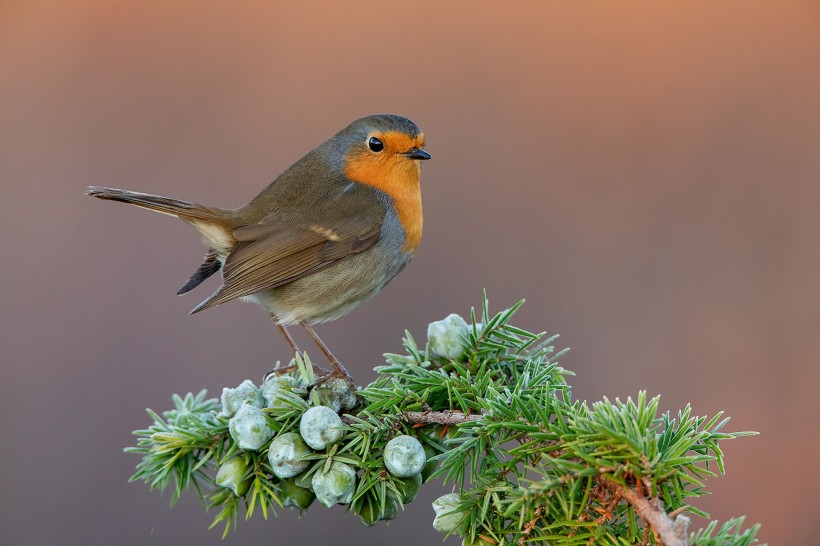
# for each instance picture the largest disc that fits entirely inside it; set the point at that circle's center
(215, 225)
(165, 205)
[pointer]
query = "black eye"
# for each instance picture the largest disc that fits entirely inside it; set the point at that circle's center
(375, 144)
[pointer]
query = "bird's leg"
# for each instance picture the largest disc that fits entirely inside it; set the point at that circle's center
(295, 349)
(338, 369)
(289, 339)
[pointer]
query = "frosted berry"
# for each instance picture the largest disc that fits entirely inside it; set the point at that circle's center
(336, 486)
(285, 455)
(404, 456)
(249, 428)
(321, 426)
(448, 337)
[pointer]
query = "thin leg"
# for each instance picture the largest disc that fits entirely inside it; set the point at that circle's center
(289, 339)
(295, 349)
(338, 369)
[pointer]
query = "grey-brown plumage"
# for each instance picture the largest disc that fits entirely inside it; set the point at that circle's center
(314, 243)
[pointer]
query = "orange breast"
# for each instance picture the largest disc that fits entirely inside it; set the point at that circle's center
(398, 177)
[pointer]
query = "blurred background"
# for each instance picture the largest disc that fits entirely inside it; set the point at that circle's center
(645, 174)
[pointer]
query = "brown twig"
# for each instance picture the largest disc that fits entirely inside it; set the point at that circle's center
(668, 531)
(530, 525)
(440, 417)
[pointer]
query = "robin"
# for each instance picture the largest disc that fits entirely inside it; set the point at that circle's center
(329, 233)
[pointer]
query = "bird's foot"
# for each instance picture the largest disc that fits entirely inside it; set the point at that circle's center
(318, 370)
(338, 371)
(337, 390)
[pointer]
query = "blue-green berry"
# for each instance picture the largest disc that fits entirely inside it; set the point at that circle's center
(429, 466)
(286, 453)
(249, 428)
(246, 393)
(336, 394)
(448, 337)
(408, 487)
(369, 512)
(294, 496)
(231, 475)
(321, 426)
(304, 481)
(336, 486)
(448, 518)
(404, 456)
(273, 387)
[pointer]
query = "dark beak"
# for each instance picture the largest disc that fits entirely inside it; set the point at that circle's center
(416, 153)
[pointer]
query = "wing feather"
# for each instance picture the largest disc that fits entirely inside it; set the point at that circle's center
(270, 254)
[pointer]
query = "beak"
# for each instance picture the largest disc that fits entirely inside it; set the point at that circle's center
(416, 153)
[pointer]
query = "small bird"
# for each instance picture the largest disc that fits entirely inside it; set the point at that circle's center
(327, 234)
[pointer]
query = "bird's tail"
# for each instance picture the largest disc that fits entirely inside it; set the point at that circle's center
(215, 225)
(165, 205)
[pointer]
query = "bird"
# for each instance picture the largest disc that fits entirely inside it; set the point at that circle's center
(326, 235)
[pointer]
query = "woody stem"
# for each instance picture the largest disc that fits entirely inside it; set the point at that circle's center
(668, 531)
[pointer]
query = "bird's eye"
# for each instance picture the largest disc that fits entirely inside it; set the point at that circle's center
(375, 144)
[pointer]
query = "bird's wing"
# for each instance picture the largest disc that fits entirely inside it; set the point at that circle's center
(273, 253)
(210, 265)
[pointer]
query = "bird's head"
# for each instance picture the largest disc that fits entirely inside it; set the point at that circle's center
(383, 151)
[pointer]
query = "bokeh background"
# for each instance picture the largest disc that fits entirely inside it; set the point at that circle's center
(645, 174)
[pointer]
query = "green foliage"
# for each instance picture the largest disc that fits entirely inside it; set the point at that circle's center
(530, 464)
(730, 533)
(181, 445)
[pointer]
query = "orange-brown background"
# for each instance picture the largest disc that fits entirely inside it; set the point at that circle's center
(645, 174)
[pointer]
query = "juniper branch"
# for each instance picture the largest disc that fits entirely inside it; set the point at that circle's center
(489, 409)
(668, 531)
(439, 417)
